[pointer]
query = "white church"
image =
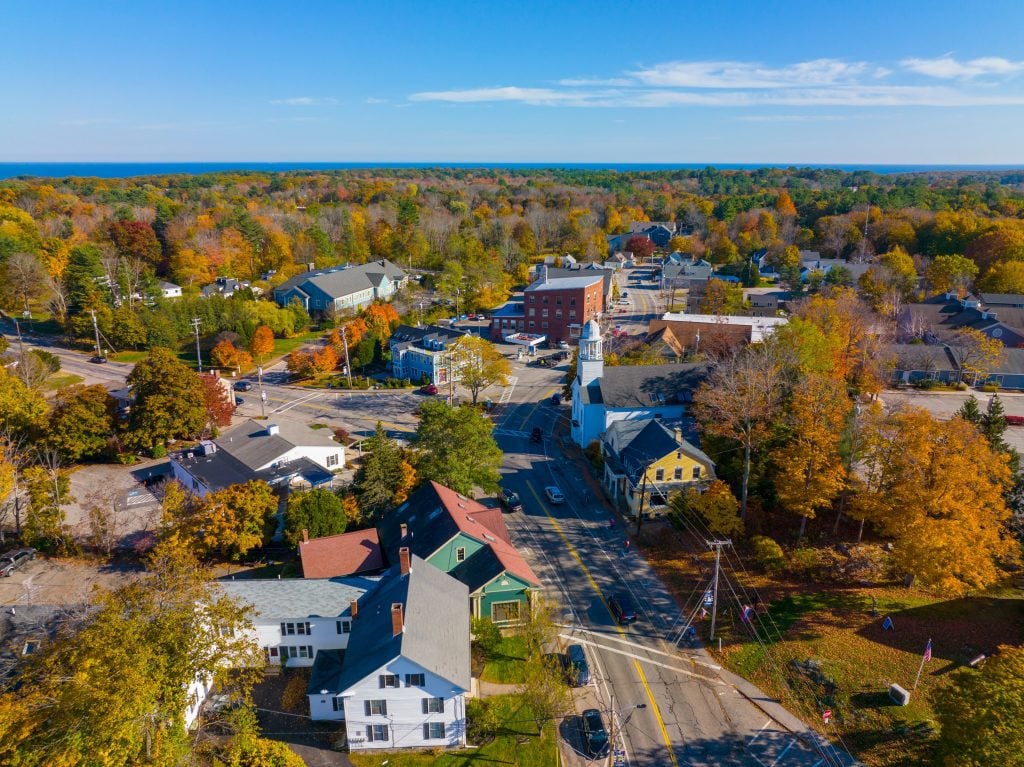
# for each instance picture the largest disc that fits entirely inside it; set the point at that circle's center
(602, 396)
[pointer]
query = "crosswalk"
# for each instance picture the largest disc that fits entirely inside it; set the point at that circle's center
(510, 433)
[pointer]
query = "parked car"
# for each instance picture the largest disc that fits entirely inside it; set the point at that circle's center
(1014, 420)
(622, 609)
(578, 670)
(510, 500)
(471, 316)
(556, 399)
(536, 435)
(98, 360)
(554, 494)
(624, 294)
(239, 401)
(12, 560)
(595, 736)
(561, 357)
(243, 386)
(563, 344)
(429, 389)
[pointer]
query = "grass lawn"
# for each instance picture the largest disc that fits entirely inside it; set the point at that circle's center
(507, 663)
(130, 357)
(58, 381)
(518, 743)
(831, 624)
(283, 346)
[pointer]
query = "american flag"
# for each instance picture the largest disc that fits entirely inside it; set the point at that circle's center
(928, 651)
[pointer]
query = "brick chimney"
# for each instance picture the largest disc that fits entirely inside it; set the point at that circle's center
(397, 619)
(355, 609)
(403, 560)
(405, 530)
(305, 535)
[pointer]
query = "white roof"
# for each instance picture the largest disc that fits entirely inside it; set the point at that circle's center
(726, 319)
(564, 283)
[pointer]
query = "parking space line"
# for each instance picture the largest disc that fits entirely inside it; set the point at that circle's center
(783, 752)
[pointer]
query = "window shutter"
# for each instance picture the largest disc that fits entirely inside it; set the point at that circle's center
(337, 625)
(383, 708)
(369, 732)
(425, 705)
(366, 708)
(307, 628)
(426, 732)
(282, 630)
(441, 702)
(381, 681)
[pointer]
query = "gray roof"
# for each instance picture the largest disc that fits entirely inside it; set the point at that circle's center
(429, 524)
(636, 443)
(932, 358)
(562, 273)
(253, 446)
(644, 386)
(326, 670)
(1002, 299)
(1011, 362)
(339, 281)
(566, 283)
(216, 470)
(407, 336)
(436, 627)
(291, 598)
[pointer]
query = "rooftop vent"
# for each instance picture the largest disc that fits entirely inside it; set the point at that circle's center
(273, 429)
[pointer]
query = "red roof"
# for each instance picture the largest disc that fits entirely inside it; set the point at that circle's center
(347, 554)
(486, 525)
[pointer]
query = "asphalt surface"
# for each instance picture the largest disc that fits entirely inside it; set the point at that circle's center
(694, 713)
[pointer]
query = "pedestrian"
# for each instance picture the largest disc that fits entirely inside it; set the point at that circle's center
(627, 544)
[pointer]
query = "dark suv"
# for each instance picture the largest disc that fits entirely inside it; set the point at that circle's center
(595, 736)
(510, 500)
(12, 560)
(622, 609)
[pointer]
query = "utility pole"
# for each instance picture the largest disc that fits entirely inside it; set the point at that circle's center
(717, 546)
(348, 365)
(451, 379)
(21, 347)
(195, 326)
(643, 497)
(263, 394)
(96, 329)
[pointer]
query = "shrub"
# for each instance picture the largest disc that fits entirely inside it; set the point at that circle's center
(159, 451)
(482, 720)
(486, 635)
(767, 553)
(990, 387)
(804, 560)
(595, 456)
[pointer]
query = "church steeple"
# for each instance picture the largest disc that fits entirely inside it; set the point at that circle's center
(590, 363)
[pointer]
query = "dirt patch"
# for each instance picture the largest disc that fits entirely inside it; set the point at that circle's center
(63, 581)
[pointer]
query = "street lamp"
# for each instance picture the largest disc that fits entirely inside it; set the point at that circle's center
(611, 732)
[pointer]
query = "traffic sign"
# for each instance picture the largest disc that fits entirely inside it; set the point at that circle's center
(709, 598)
(827, 715)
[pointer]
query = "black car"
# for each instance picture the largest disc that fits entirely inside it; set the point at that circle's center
(97, 360)
(595, 736)
(510, 500)
(243, 386)
(622, 609)
(536, 435)
(12, 560)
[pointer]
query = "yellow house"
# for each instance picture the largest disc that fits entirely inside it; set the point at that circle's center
(646, 460)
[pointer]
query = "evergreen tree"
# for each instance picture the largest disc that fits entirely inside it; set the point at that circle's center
(319, 512)
(970, 411)
(381, 475)
(993, 424)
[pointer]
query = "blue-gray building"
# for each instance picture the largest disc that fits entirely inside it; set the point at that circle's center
(342, 288)
(422, 353)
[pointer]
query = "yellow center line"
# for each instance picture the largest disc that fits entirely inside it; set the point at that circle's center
(640, 672)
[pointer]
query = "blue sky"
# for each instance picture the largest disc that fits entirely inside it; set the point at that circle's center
(822, 81)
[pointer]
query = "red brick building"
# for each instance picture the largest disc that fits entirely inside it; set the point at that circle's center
(557, 308)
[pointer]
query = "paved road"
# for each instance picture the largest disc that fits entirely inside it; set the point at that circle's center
(694, 714)
(111, 374)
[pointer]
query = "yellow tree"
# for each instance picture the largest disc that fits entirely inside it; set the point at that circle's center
(226, 355)
(478, 364)
(716, 506)
(936, 488)
(808, 470)
(974, 352)
(227, 522)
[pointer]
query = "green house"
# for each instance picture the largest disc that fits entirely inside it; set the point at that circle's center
(469, 542)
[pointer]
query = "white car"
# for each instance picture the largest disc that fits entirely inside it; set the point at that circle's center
(554, 494)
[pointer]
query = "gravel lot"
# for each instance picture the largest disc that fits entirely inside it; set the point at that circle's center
(61, 581)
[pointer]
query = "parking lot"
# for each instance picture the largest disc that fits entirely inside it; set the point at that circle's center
(61, 581)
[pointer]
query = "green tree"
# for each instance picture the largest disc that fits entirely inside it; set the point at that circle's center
(318, 511)
(951, 273)
(456, 448)
(113, 692)
(382, 476)
(721, 297)
(980, 713)
(127, 330)
(83, 279)
(169, 401)
(970, 411)
(81, 422)
(49, 491)
(479, 364)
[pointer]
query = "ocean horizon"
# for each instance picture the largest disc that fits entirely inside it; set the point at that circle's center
(133, 169)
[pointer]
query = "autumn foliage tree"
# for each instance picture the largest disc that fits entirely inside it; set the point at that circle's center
(716, 507)
(380, 318)
(479, 364)
(219, 404)
(226, 355)
(937, 489)
(808, 470)
(262, 343)
(641, 246)
(226, 523)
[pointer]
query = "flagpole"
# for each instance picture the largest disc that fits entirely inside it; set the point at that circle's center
(920, 668)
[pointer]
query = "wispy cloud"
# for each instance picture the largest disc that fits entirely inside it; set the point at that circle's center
(304, 101)
(746, 75)
(373, 100)
(815, 83)
(948, 68)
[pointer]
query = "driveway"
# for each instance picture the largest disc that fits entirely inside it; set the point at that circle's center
(310, 740)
